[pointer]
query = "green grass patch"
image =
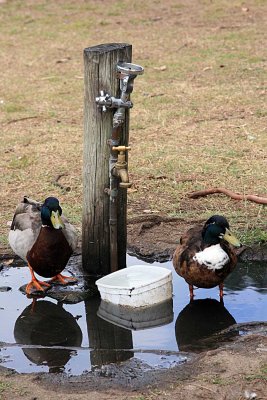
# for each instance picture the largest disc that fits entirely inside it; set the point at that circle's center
(20, 162)
(253, 235)
(3, 387)
(14, 108)
(4, 240)
(262, 375)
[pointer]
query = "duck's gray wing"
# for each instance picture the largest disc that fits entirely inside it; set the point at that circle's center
(25, 227)
(70, 233)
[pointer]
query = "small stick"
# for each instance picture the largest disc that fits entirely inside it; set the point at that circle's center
(235, 196)
(21, 119)
(56, 182)
(203, 387)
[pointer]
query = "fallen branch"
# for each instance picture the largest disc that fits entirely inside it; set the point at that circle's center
(235, 196)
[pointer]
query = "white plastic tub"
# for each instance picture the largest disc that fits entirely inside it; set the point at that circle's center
(136, 286)
(137, 318)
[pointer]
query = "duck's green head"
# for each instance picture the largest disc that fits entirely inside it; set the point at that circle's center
(217, 228)
(51, 213)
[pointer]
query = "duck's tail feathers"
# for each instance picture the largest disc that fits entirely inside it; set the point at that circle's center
(32, 202)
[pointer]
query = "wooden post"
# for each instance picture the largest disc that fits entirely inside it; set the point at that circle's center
(100, 74)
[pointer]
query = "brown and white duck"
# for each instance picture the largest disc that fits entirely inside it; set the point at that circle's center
(205, 255)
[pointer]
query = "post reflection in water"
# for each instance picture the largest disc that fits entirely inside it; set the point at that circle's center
(199, 320)
(44, 323)
(110, 343)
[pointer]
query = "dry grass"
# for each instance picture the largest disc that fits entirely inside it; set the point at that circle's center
(198, 122)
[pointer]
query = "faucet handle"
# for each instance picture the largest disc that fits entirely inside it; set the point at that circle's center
(121, 148)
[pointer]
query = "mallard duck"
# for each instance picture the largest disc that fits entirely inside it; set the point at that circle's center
(205, 256)
(43, 237)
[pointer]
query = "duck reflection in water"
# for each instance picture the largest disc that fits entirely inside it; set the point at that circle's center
(44, 323)
(198, 321)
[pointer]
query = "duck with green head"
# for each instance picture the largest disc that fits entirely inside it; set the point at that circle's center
(43, 237)
(205, 255)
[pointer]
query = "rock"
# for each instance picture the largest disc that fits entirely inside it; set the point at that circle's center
(66, 294)
(5, 288)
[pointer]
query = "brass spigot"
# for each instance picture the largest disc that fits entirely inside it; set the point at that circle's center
(120, 167)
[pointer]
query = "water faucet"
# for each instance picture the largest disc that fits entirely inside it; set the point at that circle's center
(126, 73)
(120, 169)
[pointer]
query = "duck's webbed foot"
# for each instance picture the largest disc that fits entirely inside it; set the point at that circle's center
(35, 284)
(60, 279)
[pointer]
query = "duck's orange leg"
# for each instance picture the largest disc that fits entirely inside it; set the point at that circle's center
(221, 290)
(33, 305)
(63, 280)
(34, 283)
(191, 292)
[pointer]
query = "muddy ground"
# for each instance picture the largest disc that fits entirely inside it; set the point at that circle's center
(155, 237)
(234, 370)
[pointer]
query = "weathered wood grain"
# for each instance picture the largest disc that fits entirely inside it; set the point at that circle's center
(100, 74)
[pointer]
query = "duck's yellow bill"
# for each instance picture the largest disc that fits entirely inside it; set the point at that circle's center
(230, 238)
(56, 220)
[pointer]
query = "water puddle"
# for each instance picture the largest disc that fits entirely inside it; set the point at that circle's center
(92, 336)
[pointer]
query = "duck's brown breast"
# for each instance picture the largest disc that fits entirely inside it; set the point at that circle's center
(50, 253)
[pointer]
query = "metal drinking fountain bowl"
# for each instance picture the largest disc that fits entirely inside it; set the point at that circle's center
(130, 69)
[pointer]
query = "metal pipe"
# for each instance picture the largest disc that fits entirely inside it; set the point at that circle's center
(113, 223)
(118, 121)
(127, 72)
(113, 202)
